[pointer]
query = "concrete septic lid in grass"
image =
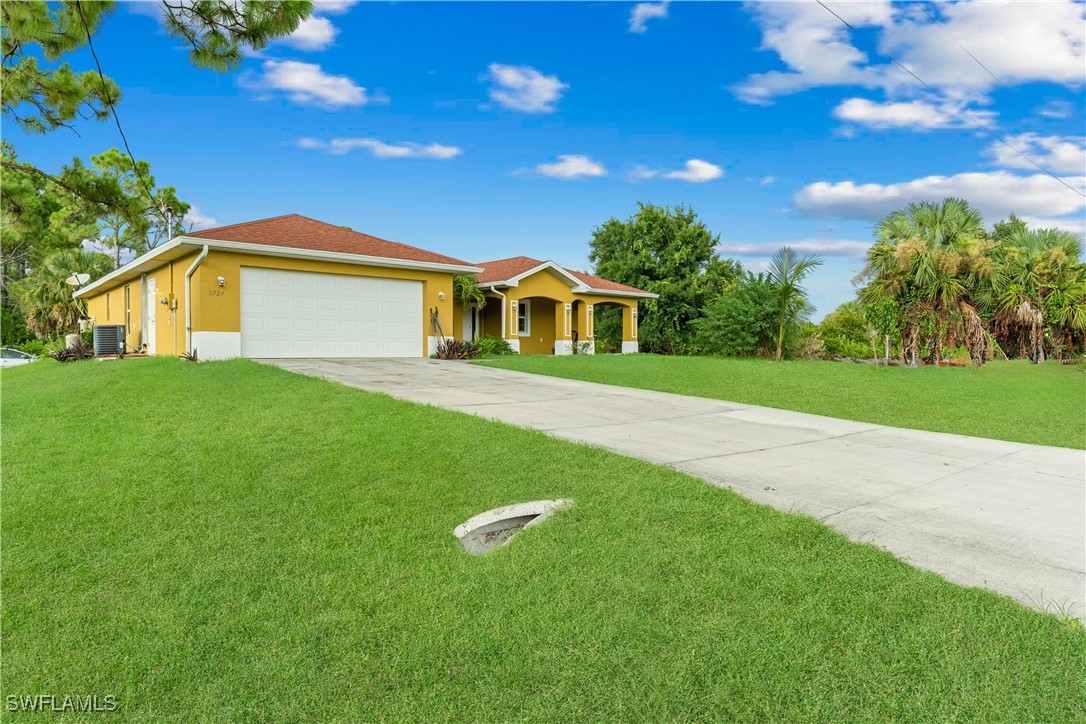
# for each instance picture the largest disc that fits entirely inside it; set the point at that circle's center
(492, 529)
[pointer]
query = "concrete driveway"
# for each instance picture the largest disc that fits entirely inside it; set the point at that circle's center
(1006, 516)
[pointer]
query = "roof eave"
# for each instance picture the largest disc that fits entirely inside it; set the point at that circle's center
(621, 293)
(280, 251)
(130, 269)
(338, 256)
(580, 289)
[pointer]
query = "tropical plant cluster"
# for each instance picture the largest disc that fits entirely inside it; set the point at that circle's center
(936, 280)
(450, 348)
(706, 304)
(936, 287)
(74, 353)
(491, 346)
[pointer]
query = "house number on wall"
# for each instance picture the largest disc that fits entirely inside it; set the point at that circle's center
(216, 293)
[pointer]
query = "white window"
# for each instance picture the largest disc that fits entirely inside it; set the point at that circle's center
(524, 318)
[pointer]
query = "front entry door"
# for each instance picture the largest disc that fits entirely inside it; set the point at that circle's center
(471, 323)
(152, 307)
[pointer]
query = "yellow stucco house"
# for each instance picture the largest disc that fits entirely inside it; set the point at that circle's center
(291, 286)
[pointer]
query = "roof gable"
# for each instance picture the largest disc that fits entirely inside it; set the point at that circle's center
(504, 269)
(595, 282)
(511, 270)
(295, 231)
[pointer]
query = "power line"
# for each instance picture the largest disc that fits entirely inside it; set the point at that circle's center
(116, 118)
(942, 25)
(968, 116)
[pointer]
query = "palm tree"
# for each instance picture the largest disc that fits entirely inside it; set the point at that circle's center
(45, 298)
(1039, 274)
(1066, 301)
(786, 271)
(931, 258)
(466, 291)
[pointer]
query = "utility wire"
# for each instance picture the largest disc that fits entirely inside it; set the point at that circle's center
(116, 118)
(942, 25)
(968, 116)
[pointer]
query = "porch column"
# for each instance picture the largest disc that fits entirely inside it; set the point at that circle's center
(563, 328)
(510, 332)
(629, 328)
(584, 322)
(585, 318)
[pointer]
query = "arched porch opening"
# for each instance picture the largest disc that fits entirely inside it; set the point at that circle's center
(542, 324)
(607, 324)
(614, 327)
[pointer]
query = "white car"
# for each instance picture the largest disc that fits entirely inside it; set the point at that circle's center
(12, 357)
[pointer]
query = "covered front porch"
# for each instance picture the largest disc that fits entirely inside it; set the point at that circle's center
(541, 308)
(544, 325)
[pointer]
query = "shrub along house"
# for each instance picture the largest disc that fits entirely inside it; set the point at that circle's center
(291, 286)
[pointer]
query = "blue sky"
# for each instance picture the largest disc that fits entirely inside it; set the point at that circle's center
(486, 130)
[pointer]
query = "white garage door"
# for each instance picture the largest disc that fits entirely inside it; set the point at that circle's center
(301, 314)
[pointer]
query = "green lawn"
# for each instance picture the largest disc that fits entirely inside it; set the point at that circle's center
(1045, 405)
(228, 540)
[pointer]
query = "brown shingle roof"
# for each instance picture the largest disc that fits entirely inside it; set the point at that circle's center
(503, 269)
(301, 232)
(595, 282)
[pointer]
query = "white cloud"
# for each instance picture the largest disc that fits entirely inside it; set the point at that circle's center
(381, 149)
(641, 172)
(199, 220)
(525, 89)
(844, 247)
(314, 33)
(995, 194)
(693, 171)
(1055, 109)
(333, 7)
(696, 171)
(814, 46)
(571, 167)
(643, 12)
(1074, 225)
(1018, 42)
(307, 83)
(767, 180)
(148, 9)
(1057, 154)
(915, 115)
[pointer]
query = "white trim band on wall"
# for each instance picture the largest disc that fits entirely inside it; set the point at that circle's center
(216, 345)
